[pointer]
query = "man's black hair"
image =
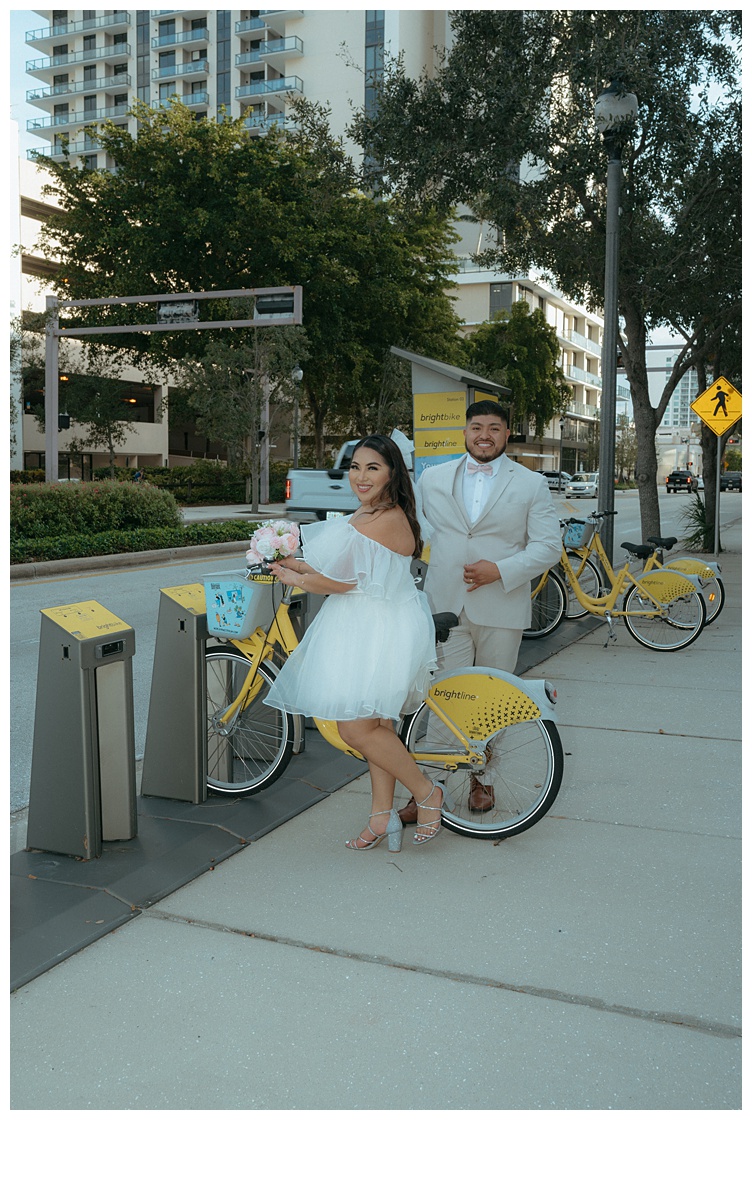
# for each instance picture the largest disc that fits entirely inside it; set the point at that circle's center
(487, 408)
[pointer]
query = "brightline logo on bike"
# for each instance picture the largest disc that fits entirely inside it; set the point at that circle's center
(447, 695)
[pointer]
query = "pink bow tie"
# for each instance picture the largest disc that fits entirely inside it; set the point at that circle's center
(474, 467)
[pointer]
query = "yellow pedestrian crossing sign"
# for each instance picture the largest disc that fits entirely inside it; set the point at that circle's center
(719, 406)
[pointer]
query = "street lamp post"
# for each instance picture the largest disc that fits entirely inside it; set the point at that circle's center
(615, 113)
(561, 447)
(297, 377)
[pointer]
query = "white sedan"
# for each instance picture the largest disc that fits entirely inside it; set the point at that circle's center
(582, 485)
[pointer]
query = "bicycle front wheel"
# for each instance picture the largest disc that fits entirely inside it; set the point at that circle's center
(250, 751)
(589, 579)
(524, 765)
(548, 606)
(665, 627)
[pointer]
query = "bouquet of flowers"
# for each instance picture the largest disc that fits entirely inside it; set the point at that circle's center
(271, 542)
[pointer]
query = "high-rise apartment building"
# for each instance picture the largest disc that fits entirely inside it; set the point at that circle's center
(91, 64)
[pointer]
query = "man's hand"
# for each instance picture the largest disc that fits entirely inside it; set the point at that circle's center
(479, 573)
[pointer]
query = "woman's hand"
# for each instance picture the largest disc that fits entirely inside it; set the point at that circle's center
(284, 573)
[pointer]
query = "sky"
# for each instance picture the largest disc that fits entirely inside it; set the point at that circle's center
(21, 21)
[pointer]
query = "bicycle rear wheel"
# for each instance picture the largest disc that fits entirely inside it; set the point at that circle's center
(548, 606)
(524, 766)
(253, 749)
(590, 580)
(666, 627)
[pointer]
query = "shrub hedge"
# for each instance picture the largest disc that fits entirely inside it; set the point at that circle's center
(121, 541)
(204, 481)
(52, 510)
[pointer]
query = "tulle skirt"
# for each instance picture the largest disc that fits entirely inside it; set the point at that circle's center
(361, 657)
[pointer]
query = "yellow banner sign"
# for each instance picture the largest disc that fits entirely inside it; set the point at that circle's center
(429, 443)
(439, 410)
(85, 620)
(719, 406)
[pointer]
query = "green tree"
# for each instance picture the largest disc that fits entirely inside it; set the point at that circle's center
(521, 350)
(505, 125)
(625, 451)
(95, 404)
(201, 205)
(239, 393)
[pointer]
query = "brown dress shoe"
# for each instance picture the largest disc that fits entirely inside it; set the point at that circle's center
(481, 796)
(409, 814)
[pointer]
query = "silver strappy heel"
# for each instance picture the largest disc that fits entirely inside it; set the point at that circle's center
(420, 838)
(393, 832)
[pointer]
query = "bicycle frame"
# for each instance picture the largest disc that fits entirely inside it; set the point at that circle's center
(259, 647)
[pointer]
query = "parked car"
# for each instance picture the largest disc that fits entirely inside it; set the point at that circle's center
(731, 481)
(582, 484)
(556, 480)
(681, 481)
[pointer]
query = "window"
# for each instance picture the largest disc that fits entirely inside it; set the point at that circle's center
(60, 114)
(90, 162)
(60, 51)
(90, 42)
(120, 99)
(167, 59)
(166, 90)
(118, 69)
(199, 23)
(59, 80)
(166, 28)
(120, 39)
(90, 104)
(90, 73)
(500, 298)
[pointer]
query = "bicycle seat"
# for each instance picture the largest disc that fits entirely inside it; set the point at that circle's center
(638, 551)
(664, 543)
(443, 623)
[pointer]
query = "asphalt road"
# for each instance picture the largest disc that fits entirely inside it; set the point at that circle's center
(132, 594)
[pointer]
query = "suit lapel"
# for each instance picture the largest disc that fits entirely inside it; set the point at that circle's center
(457, 497)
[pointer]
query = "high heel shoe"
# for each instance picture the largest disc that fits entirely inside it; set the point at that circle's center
(393, 833)
(420, 838)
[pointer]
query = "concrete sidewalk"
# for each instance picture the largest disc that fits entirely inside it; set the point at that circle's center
(591, 963)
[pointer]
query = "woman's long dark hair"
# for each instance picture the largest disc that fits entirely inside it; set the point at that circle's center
(399, 490)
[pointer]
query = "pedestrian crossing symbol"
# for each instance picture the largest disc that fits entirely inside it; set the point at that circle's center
(719, 406)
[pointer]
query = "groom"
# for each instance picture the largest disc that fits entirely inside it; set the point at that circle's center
(493, 528)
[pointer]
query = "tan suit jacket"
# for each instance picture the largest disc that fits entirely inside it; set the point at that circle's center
(518, 529)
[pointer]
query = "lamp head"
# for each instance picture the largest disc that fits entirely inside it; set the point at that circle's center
(615, 113)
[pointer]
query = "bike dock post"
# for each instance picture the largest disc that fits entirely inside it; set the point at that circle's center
(175, 753)
(83, 769)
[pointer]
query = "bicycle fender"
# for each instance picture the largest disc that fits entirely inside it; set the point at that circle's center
(694, 566)
(519, 700)
(663, 586)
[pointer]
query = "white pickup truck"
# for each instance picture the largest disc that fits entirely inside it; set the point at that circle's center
(312, 495)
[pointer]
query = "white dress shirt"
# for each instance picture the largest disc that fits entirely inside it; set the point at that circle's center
(476, 487)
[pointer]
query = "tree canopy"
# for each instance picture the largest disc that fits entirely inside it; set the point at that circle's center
(202, 205)
(505, 125)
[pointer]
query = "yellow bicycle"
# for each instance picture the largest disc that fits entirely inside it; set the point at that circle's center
(487, 719)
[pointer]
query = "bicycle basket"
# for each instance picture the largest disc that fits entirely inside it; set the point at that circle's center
(578, 534)
(235, 606)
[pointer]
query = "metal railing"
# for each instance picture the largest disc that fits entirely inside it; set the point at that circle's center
(178, 39)
(291, 83)
(122, 50)
(199, 67)
(108, 83)
(122, 17)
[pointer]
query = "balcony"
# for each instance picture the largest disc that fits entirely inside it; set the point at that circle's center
(191, 100)
(582, 376)
(193, 36)
(266, 87)
(108, 83)
(51, 33)
(279, 49)
(252, 25)
(41, 66)
(579, 339)
(76, 118)
(72, 149)
(259, 124)
(183, 71)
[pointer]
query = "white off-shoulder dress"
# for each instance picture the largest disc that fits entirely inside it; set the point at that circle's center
(369, 652)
